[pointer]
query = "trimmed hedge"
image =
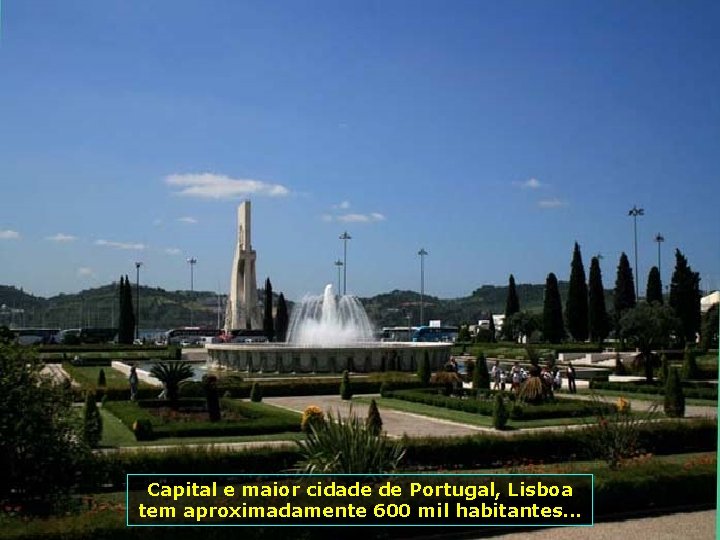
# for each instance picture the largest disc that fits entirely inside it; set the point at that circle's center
(691, 389)
(484, 405)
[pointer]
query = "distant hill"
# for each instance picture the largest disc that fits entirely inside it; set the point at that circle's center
(161, 309)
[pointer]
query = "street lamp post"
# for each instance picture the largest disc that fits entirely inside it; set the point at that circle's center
(422, 254)
(138, 264)
(339, 265)
(659, 238)
(192, 261)
(345, 237)
(635, 212)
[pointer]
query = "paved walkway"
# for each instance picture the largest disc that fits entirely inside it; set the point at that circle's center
(57, 372)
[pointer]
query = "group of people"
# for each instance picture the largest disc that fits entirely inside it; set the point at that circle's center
(551, 377)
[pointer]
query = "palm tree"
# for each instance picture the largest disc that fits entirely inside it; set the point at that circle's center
(171, 374)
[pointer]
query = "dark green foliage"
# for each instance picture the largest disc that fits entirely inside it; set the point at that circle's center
(491, 329)
(42, 447)
(126, 320)
(171, 374)
(143, 429)
(624, 294)
(553, 325)
(268, 326)
(463, 334)
(598, 322)
(576, 307)
(664, 367)
(500, 413)
(101, 378)
(689, 368)
(346, 391)
(512, 306)
(281, 319)
(374, 421)
(481, 376)
(654, 287)
(674, 398)
(524, 323)
(648, 327)
(212, 398)
(693, 390)
(709, 330)
(92, 422)
(685, 296)
(424, 371)
(256, 393)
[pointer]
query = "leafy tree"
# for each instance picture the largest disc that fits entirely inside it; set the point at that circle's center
(685, 296)
(268, 326)
(689, 368)
(92, 421)
(553, 325)
(654, 287)
(674, 398)
(576, 307)
(345, 387)
(597, 313)
(525, 323)
(171, 374)
(42, 448)
(481, 376)
(126, 321)
(624, 294)
(648, 326)
(374, 421)
(281, 319)
(709, 330)
(256, 393)
(512, 306)
(500, 412)
(424, 370)
(491, 329)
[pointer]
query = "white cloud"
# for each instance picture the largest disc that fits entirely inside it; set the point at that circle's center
(551, 203)
(7, 234)
(173, 251)
(188, 219)
(530, 183)
(219, 186)
(342, 206)
(61, 237)
(326, 217)
(120, 245)
(85, 271)
(361, 218)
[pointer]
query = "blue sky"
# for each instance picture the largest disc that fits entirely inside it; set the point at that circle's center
(493, 134)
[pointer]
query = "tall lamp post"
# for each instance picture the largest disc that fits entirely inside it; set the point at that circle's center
(422, 254)
(659, 238)
(192, 261)
(339, 265)
(138, 264)
(345, 237)
(635, 212)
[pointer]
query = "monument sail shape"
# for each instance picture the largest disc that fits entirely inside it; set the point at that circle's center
(242, 308)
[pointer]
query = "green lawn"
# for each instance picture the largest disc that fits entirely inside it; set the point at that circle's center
(87, 376)
(646, 397)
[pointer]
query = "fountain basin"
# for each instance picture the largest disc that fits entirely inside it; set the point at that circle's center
(359, 357)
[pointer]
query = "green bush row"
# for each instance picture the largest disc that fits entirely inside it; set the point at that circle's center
(694, 390)
(484, 402)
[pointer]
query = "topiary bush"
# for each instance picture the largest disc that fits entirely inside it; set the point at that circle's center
(480, 376)
(346, 391)
(374, 421)
(101, 378)
(500, 413)
(674, 404)
(256, 393)
(92, 421)
(212, 398)
(689, 368)
(424, 371)
(143, 430)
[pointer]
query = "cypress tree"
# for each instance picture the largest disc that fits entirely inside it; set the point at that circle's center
(577, 300)
(689, 368)
(102, 381)
(256, 393)
(685, 296)
(345, 387)
(491, 328)
(500, 412)
(374, 421)
(92, 423)
(512, 306)
(126, 321)
(654, 287)
(268, 326)
(481, 377)
(281, 319)
(598, 322)
(674, 398)
(424, 371)
(553, 326)
(624, 294)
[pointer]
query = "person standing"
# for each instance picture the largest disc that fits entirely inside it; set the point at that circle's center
(571, 378)
(495, 373)
(133, 380)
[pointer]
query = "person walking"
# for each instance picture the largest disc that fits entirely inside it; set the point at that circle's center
(495, 373)
(570, 372)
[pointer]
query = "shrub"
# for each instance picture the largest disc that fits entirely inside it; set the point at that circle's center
(171, 374)
(256, 393)
(424, 371)
(674, 404)
(346, 391)
(500, 414)
(212, 398)
(374, 421)
(92, 422)
(101, 378)
(531, 390)
(143, 430)
(481, 377)
(347, 446)
(689, 368)
(312, 416)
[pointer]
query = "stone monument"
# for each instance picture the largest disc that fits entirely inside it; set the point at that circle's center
(242, 307)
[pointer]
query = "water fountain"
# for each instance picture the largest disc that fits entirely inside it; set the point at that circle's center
(327, 334)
